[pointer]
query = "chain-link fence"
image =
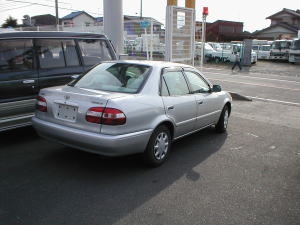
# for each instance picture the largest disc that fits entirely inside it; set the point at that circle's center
(145, 38)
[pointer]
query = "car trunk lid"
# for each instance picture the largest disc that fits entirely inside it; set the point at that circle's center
(75, 107)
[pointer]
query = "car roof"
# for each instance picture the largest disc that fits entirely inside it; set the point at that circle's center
(158, 64)
(50, 34)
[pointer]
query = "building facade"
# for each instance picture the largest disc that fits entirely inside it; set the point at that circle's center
(284, 25)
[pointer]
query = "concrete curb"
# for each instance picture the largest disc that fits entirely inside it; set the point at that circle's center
(236, 96)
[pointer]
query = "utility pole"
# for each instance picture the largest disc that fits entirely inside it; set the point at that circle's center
(141, 10)
(56, 14)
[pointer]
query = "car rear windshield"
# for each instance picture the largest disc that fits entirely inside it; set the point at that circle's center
(114, 77)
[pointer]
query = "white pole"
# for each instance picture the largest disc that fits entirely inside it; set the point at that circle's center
(113, 23)
(203, 41)
(146, 43)
(151, 41)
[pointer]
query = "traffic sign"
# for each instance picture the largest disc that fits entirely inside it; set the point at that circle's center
(144, 24)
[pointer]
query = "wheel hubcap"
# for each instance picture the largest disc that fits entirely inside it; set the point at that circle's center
(226, 116)
(161, 146)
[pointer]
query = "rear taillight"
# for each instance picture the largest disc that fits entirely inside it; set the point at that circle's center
(94, 115)
(41, 104)
(106, 116)
(113, 117)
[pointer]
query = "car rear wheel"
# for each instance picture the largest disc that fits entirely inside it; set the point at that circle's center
(158, 147)
(222, 124)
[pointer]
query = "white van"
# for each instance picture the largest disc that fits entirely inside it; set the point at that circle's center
(294, 53)
(280, 50)
(262, 51)
(228, 50)
(209, 52)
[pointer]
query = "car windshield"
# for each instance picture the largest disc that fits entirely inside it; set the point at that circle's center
(114, 77)
(296, 45)
(265, 47)
(280, 45)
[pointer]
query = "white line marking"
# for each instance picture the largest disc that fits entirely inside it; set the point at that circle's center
(259, 78)
(261, 85)
(274, 100)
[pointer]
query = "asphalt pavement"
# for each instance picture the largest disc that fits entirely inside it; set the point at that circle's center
(265, 81)
(247, 176)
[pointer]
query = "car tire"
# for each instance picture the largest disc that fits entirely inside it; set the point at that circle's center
(222, 124)
(158, 147)
(217, 59)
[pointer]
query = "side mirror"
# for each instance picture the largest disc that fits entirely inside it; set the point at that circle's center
(216, 88)
(74, 77)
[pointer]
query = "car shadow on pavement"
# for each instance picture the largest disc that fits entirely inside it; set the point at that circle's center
(97, 188)
(18, 135)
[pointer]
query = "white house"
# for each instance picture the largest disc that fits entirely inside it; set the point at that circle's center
(81, 21)
(79, 18)
(284, 25)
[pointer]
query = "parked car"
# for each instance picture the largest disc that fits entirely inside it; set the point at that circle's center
(127, 107)
(208, 51)
(216, 46)
(30, 61)
(228, 52)
(280, 50)
(262, 51)
(294, 53)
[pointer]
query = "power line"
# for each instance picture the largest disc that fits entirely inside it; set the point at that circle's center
(40, 4)
(10, 7)
(34, 3)
(66, 3)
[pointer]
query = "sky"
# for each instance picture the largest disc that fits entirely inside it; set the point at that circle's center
(252, 13)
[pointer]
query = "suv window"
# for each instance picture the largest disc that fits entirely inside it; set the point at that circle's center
(94, 51)
(56, 53)
(16, 55)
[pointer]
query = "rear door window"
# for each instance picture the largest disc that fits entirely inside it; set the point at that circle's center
(94, 51)
(53, 53)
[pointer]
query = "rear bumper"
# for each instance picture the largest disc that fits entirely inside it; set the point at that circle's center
(108, 145)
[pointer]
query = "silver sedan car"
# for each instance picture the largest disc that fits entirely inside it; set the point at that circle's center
(128, 107)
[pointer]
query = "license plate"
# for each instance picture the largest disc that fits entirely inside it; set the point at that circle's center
(66, 112)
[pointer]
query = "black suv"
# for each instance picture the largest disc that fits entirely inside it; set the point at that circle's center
(30, 61)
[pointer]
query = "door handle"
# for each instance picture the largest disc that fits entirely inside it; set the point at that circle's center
(28, 81)
(200, 102)
(170, 107)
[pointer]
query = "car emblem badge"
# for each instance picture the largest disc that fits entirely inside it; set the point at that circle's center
(67, 97)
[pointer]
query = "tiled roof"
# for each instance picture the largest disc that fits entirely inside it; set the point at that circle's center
(292, 12)
(75, 14)
(284, 25)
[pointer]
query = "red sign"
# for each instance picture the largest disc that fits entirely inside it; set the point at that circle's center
(205, 11)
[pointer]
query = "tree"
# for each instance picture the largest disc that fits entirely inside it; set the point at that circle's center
(10, 22)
